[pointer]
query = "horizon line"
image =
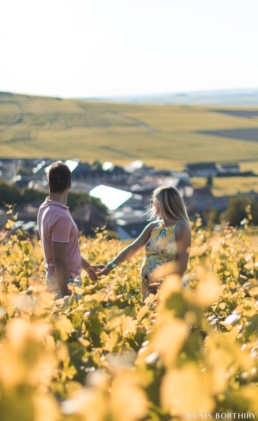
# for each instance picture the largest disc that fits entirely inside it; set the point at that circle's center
(175, 93)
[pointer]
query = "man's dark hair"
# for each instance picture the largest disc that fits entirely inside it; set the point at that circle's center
(59, 177)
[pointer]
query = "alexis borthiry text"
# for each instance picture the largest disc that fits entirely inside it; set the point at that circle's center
(221, 415)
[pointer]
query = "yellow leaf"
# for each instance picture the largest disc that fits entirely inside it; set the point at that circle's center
(128, 400)
(2, 312)
(209, 288)
(20, 331)
(9, 224)
(84, 342)
(12, 368)
(111, 341)
(249, 392)
(140, 315)
(249, 265)
(168, 339)
(89, 403)
(170, 285)
(161, 271)
(219, 361)
(186, 390)
(64, 326)
(46, 408)
(128, 324)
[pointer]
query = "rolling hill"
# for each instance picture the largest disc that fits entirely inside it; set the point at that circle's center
(164, 136)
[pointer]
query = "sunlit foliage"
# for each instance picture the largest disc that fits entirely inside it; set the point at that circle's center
(111, 357)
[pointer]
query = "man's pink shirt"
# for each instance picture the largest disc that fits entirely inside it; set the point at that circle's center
(56, 224)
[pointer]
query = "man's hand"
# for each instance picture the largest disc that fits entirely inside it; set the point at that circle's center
(90, 269)
(91, 272)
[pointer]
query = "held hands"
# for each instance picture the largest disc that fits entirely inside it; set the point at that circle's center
(96, 271)
(93, 271)
(105, 271)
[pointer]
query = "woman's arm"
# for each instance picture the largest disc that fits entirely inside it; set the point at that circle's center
(131, 250)
(183, 242)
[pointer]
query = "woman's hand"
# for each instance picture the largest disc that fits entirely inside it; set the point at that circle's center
(105, 271)
(153, 287)
(97, 268)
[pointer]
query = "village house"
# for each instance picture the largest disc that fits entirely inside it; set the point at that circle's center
(114, 172)
(8, 167)
(107, 173)
(81, 171)
(128, 222)
(88, 218)
(39, 171)
(137, 170)
(22, 181)
(202, 169)
(202, 202)
(228, 169)
(146, 189)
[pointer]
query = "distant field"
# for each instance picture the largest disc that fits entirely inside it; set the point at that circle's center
(241, 134)
(163, 136)
(229, 185)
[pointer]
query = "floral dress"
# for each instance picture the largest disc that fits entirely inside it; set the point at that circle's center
(160, 249)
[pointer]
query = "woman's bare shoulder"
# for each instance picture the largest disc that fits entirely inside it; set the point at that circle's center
(182, 229)
(152, 225)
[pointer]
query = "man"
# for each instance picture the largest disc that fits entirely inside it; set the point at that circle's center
(59, 235)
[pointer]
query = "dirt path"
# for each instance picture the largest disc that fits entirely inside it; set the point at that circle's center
(135, 121)
(19, 119)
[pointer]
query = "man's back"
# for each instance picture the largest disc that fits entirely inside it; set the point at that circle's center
(56, 225)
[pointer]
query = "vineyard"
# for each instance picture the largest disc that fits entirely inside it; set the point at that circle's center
(191, 353)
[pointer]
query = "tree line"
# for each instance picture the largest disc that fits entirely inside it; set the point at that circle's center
(11, 194)
(240, 207)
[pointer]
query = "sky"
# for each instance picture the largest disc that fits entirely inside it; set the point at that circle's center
(98, 48)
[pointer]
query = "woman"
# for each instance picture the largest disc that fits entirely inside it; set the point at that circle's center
(166, 239)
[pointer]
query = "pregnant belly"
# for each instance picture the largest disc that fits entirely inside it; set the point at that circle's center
(156, 268)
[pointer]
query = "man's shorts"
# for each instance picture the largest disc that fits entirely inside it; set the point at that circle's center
(52, 285)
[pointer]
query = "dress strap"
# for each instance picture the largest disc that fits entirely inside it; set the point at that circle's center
(180, 223)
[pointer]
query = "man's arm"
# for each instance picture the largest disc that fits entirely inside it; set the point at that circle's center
(59, 251)
(89, 269)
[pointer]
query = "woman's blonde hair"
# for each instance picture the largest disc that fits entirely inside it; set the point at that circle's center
(171, 204)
